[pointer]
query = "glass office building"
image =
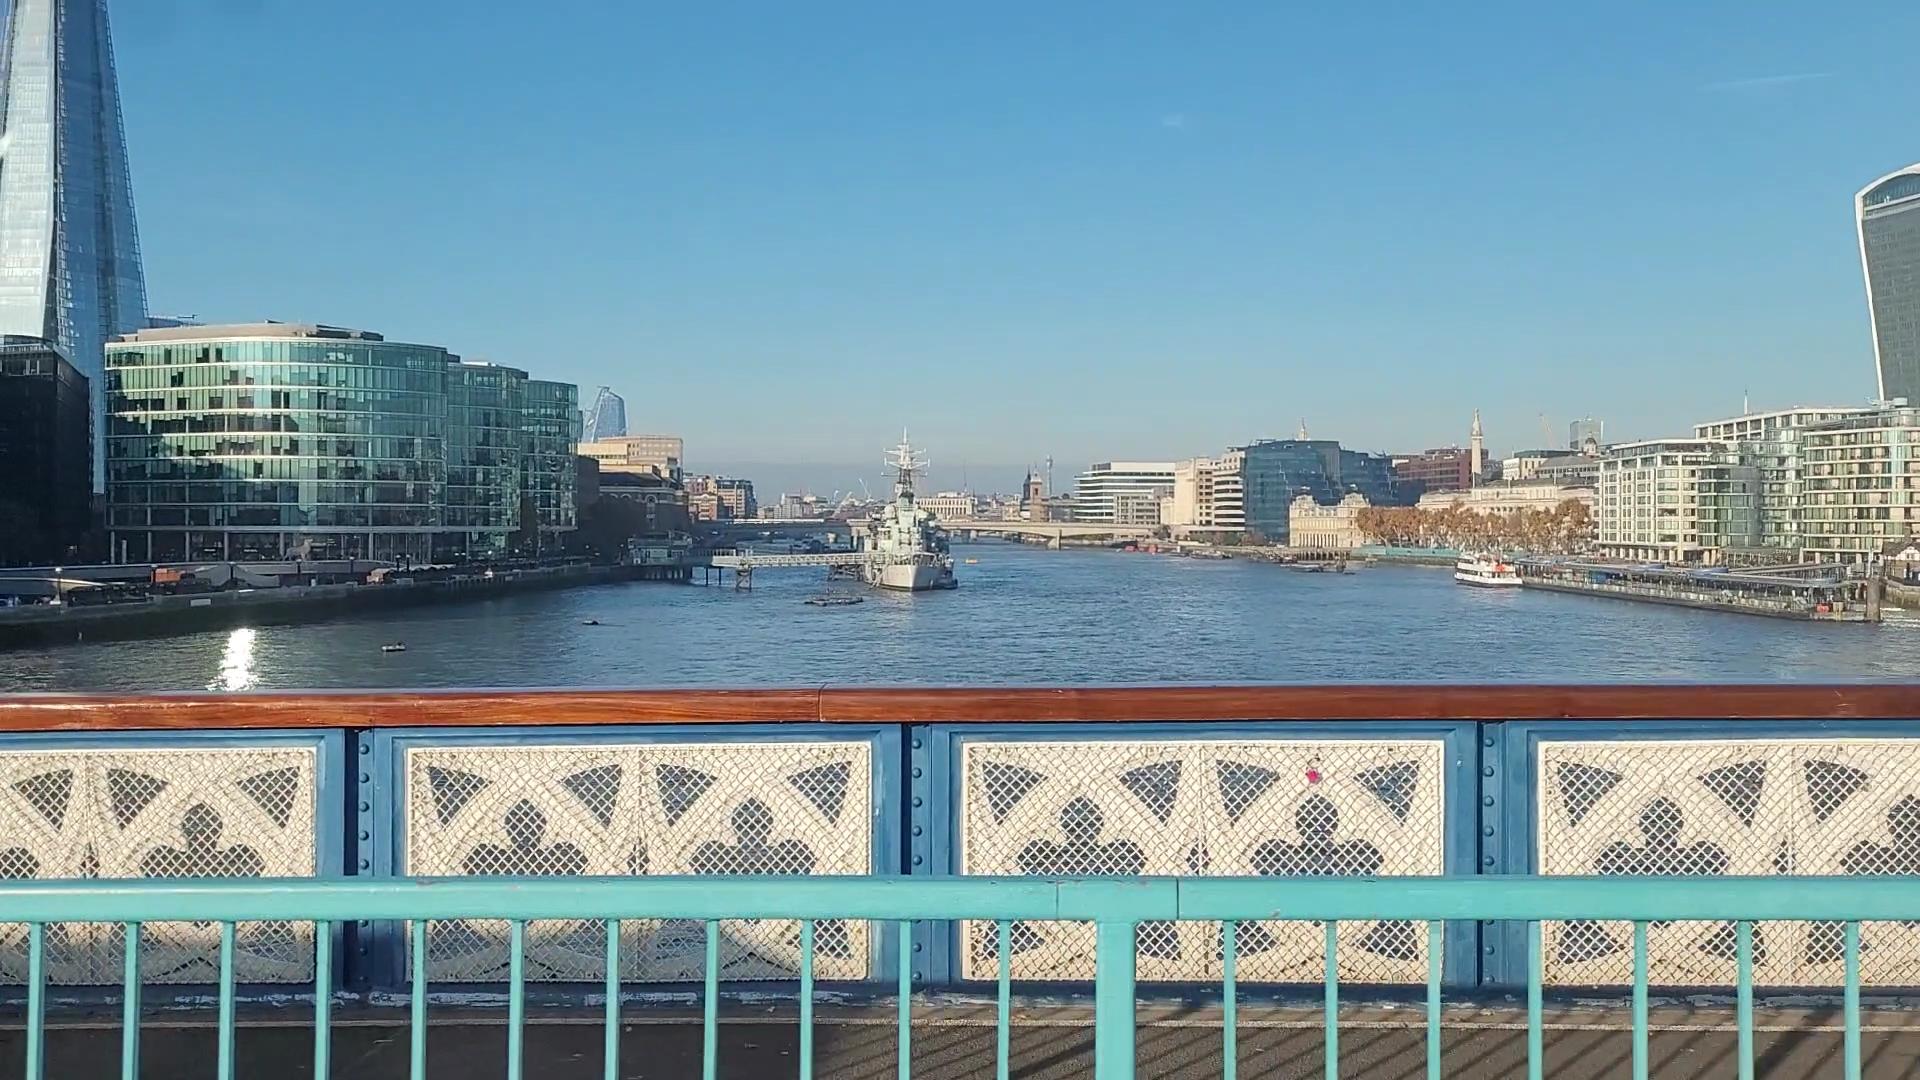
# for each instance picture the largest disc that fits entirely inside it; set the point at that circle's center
(1888, 214)
(486, 405)
(1277, 471)
(551, 425)
(278, 441)
(69, 256)
(274, 441)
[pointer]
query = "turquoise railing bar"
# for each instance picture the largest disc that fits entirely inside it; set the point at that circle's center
(130, 1008)
(613, 1000)
(1330, 949)
(1743, 1002)
(1115, 906)
(516, 996)
(417, 1027)
(1536, 1039)
(1003, 1005)
(1229, 1001)
(806, 1000)
(905, 1008)
(322, 999)
(1640, 1000)
(1433, 1001)
(1850, 997)
(1113, 1000)
(225, 1069)
(710, 1016)
(36, 1001)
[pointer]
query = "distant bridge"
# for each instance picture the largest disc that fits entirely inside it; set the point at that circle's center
(1050, 530)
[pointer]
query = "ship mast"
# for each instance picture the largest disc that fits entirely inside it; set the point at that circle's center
(906, 463)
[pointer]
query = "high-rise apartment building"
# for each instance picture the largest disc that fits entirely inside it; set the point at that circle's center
(1770, 442)
(607, 419)
(1887, 212)
(69, 255)
(1677, 501)
(1861, 482)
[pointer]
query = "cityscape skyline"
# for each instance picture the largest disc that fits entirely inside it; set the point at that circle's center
(1231, 239)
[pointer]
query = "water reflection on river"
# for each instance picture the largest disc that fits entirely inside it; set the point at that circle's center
(1021, 616)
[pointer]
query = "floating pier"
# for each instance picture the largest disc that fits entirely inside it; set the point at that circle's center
(1806, 591)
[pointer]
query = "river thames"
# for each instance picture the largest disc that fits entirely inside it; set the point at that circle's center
(1022, 616)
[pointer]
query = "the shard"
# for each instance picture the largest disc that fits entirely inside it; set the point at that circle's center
(69, 255)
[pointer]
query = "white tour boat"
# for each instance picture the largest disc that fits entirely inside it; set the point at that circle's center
(1486, 569)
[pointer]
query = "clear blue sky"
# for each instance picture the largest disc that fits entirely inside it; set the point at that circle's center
(1088, 230)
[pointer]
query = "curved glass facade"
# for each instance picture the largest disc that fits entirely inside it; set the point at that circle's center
(275, 441)
(1890, 253)
(265, 449)
(1901, 186)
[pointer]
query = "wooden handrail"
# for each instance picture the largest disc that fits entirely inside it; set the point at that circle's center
(832, 704)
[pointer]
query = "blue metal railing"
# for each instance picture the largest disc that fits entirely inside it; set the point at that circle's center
(1116, 906)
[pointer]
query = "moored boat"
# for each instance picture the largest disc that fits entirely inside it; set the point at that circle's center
(906, 547)
(1484, 568)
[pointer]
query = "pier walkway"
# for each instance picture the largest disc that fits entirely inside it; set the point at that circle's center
(745, 563)
(743, 560)
(957, 1041)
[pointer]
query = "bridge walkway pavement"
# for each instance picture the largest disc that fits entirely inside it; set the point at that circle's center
(956, 1042)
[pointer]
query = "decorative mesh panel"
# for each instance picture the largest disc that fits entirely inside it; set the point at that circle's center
(1711, 806)
(641, 808)
(162, 812)
(1239, 807)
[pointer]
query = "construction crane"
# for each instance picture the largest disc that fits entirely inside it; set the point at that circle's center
(1546, 433)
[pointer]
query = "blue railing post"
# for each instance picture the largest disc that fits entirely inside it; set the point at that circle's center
(1113, 997)
(1116, 907)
